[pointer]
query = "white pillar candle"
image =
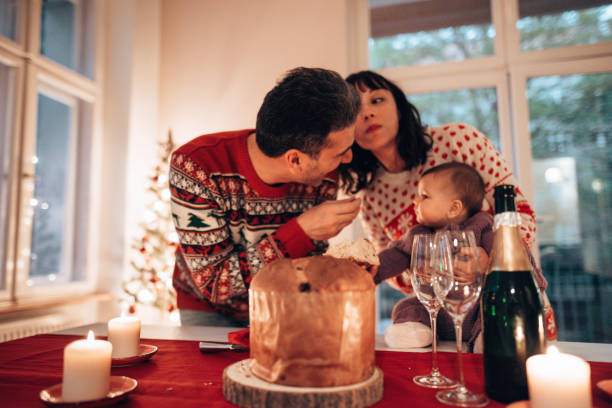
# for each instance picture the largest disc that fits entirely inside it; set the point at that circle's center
(558, 380)
(87, 366)
(124, 333)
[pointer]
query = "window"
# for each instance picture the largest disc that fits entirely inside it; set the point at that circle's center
(65, 34)
(536, 77)
(426, 32)
(570, 117)
(47, 117)
(55, 195)
(9, 10)
(549, 24)
(57, 32)
(476, 106)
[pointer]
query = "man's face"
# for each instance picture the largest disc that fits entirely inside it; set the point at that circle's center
(337, 150)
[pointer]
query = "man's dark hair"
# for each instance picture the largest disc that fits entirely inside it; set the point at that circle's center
(466, 182)
(302, 109)
(412, 141)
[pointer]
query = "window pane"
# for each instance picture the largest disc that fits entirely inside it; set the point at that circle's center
(7, 90)
(8, 18)
(476, 107)
(57, 37)
(387, 299)
(66, 34)
(571, 141)
(50, 203)
(425, 32)
(549, 24)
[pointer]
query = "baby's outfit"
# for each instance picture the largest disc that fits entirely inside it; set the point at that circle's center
(411, 324)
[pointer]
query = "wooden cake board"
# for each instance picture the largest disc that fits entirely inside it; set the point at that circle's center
(243, 388)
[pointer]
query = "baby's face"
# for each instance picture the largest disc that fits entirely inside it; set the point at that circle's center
(433, 201)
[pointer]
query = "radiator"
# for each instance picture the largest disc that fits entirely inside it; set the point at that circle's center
(25, 324)
(30, 327)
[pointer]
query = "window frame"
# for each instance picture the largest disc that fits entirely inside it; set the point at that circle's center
(14, 100)
(37, 74)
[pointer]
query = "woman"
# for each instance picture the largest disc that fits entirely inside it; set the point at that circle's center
(393, 149)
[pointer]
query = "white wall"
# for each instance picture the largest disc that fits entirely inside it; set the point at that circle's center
(143, 132)
(219, 58)
(195, 66)
(131, 131)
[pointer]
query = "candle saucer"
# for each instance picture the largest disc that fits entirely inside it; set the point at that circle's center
(145, 352)
(120, 387)
(606, 387)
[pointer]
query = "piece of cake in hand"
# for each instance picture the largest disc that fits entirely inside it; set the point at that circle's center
(312, 322)
(362, 252)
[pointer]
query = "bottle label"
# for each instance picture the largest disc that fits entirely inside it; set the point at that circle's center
(507, 219)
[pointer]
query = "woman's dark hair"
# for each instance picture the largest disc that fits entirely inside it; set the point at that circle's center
(412, 141)
(302, 109)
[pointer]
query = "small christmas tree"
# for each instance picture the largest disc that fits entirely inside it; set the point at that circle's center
(153, 263)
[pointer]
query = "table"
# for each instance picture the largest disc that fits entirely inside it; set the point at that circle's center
(588, 351)
(180, 376)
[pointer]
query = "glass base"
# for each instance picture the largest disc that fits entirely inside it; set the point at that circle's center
(434, 381)
(461, 397)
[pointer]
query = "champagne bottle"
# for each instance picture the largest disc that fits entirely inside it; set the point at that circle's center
(511, 307)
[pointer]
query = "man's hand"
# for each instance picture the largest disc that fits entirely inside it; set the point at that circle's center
(327, 219)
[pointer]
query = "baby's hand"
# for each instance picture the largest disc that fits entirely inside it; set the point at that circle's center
(468, 264)
(484, 260)
(368, 267)
(372, 270)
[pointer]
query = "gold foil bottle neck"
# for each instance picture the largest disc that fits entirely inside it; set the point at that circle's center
(508, 252)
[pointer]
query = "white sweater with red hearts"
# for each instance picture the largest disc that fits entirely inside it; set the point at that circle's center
(388, 208)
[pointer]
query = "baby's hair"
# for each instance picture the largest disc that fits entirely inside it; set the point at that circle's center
(466, 182)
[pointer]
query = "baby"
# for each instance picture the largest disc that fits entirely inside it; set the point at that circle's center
(449, 197)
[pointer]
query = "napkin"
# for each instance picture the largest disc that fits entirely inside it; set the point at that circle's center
(239, 337)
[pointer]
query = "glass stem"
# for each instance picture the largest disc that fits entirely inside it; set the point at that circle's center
(458, 335)
(434, 342)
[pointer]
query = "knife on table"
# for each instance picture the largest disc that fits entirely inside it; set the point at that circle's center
(214, 346)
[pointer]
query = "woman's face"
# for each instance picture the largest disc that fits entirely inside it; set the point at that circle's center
(378, 122)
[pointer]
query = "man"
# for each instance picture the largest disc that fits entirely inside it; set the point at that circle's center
(243, 199)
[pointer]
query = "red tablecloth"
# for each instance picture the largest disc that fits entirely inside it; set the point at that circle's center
(179, 376)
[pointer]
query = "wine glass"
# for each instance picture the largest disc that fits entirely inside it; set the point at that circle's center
(457, 284)
(422, 263)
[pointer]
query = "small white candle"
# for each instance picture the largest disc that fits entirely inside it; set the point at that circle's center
(558, 380)
(124, 333)
(87, 366)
